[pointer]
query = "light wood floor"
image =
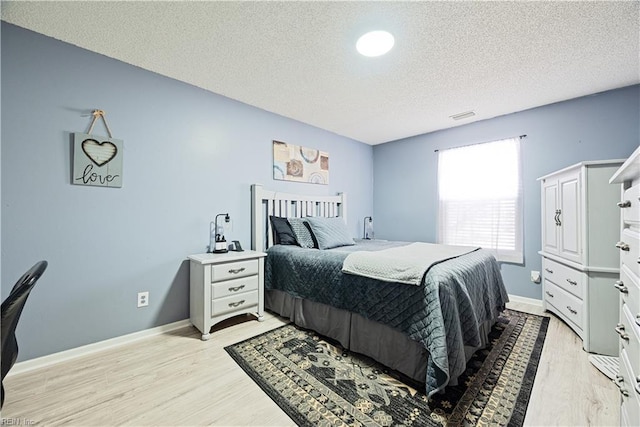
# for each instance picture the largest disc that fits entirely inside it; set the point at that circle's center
(175, 379)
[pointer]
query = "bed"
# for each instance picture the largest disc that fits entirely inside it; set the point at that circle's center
(425, 325)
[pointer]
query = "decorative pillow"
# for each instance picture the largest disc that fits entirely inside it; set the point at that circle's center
(302, 232)
(330, 232)
(282, 232)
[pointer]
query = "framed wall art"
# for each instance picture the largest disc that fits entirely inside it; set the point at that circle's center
(301, 164)
(97, 160)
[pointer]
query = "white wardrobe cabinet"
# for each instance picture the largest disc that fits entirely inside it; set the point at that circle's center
(580, 262)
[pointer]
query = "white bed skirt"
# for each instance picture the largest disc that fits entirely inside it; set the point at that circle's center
(356, 333)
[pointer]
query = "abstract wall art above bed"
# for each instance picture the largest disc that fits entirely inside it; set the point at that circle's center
(300, 164)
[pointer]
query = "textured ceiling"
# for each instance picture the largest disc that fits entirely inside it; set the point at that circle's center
(298, 59)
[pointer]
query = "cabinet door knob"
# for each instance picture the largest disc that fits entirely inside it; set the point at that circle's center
(620, 330)
(622, 246)
(572, 282)
(619, 285)
(624, 204)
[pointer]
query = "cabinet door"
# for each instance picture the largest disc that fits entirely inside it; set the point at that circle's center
(570, 218)
(550, 226)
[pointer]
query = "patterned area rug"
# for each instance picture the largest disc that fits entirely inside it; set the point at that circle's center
(317, 383)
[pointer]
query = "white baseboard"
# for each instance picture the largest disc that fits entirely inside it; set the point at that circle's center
(525, 300)
(63, 356)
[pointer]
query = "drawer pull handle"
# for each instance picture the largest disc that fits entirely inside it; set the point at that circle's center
(573, 282)
(549, 293)
(236, 270)
(572, 310)
(619, 285)
(621, 332)
(236, 288)
(637, 387)
(624, 204)
(638, 322)
(618, 382)
(548, 270)
(236, 304)
(622, 246)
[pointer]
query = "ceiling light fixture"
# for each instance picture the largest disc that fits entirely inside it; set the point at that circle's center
(375, 43)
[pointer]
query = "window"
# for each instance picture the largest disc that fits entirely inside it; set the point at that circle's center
(480, 198)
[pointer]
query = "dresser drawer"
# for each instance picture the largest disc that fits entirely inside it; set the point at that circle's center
(631, 213)
(234, 286)
(233, 270)
(627, 382)
(234, 303)
(628, 332)
(565, 277)
(629, 247)
(568, 305)
(629, 287)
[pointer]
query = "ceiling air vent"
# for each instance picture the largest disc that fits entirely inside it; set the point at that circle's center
(464, 115)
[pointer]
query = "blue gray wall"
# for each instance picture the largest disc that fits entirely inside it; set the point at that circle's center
(601, 126)
(188, 155)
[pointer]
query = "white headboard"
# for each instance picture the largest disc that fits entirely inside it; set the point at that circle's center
(265, 203)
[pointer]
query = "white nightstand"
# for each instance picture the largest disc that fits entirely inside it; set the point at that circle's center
(225, 285)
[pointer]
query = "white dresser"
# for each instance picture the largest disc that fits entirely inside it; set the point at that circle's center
(579, 260)
(628, 285)
(225, 285)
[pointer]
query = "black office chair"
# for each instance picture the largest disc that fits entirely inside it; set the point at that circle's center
(11, 309)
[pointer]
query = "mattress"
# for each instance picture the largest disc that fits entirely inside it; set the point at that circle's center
(444, 314)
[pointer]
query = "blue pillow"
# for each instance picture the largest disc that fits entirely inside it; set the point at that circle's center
(302, 232)
(330, 232)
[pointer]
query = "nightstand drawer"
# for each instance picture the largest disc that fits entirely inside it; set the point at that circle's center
(234, 303)
(631, 213)
(234, 286)
(567, 304)
(233, 270)
(565, 277)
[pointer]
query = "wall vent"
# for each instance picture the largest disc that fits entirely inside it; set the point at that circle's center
(464, 115)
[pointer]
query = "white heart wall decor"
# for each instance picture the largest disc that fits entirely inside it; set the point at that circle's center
(100, 153)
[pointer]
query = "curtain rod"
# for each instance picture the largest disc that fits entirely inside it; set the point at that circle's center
(476, 143)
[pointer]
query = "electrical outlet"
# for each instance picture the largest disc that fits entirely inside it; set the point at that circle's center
(143, 299)
(535, 276)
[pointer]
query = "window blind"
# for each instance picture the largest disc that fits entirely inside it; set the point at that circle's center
(480, 198)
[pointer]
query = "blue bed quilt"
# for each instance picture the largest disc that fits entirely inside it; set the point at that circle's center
(444, 313)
